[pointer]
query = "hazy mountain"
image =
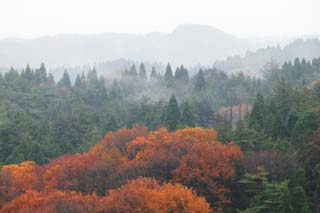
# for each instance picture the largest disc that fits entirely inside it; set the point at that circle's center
(187, 44)
(253, 62)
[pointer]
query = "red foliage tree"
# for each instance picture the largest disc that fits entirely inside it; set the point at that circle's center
(146, 195)
(55, 201)
(207, 168)
(17, 179)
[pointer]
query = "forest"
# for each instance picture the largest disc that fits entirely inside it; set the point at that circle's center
(161, 140)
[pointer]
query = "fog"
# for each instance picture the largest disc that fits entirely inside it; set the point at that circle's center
(82, 32)
(34, 18)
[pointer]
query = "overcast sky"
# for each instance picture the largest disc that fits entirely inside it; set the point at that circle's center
(34, 18)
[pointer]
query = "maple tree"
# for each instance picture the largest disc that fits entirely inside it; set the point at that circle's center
(207, 168)
(15, 179)
(190, 156)
(55, 201)
(147, 195)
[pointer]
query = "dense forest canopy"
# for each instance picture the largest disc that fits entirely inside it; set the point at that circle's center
(175, 141)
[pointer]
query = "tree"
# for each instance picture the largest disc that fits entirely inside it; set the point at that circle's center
(173, 114)
(207, 168)
(300, 200)
(258, 113)
(274, 198)
(142, 72)
(146, 195)
(54, 201)
(168, 76)
(200, 83)
(92, 77)
(154, 74)
(65, 81)
(133, 72)
(77, 83)
(187, 116)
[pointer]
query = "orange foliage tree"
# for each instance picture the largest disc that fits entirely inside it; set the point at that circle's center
(146, 195)
(55, 201)
(17, 179)
(207, 168)
(190, 156)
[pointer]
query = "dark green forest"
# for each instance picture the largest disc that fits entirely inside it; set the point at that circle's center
(275, 121)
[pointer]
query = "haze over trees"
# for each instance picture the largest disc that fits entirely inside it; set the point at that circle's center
(170, 140)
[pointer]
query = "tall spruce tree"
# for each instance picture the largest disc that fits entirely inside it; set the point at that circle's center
(154, 74)
(200, 83)
(65, 80)
(173, 114)
(258, 113)
(187, 116)
(168, 76)
(142, 72)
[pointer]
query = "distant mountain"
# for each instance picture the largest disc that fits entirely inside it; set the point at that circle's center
(253, 62)
(190, 45)
(187, 44)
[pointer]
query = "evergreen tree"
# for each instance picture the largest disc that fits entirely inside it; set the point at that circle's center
(83, 80)
(153, 73)
(133, 72)
(65, 80)
(173, 114)
(77, 83)
(274, 198)
(200, 83)
(298, 178)
(92, 77)
(50, 80)
(142, 72)
(300, 200)
(187, 116)
(41, 75)
(258, 113)
(168, 76)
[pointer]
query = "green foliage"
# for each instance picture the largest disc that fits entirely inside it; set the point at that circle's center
(300, 200)
(274, 198)
(173, 115)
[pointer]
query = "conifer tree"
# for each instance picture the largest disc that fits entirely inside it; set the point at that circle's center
(200, 83)
(258, 113)
(300, 200)
(168, 76)
(142, 72)
(153, 73)
(173, 114)
(187, 116)
(77, 83)
(65, 80)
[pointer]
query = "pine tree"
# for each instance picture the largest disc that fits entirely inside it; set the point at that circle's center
(83, 80)
(200, 83)
(41, 75)
(173, 114)
(50, 80)
(153, 73)
(65, 80)
(133, 72)
(187, 116)
(92, 77)
(300, 200)
(168, 76)
(275, 197)
(258, 113)
(77, 83)
(142, 72)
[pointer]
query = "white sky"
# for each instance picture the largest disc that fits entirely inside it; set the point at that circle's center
(33, 18)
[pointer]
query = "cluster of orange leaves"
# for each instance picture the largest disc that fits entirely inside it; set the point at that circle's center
(108, 176)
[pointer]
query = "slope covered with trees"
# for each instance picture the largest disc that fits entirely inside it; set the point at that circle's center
(272, 162)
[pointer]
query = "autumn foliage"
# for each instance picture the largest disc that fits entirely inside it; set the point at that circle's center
(131, 170)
